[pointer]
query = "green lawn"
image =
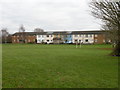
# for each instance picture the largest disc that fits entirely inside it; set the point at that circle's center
(58, 66)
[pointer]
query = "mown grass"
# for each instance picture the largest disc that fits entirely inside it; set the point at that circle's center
(58, 66)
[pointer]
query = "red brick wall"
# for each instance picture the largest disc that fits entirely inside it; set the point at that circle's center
(28, 39)
(15, 39)
(100, 38)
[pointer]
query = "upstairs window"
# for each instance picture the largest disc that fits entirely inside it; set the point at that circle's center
(96, 35)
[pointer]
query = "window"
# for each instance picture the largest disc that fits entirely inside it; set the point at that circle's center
(14, 40)
(79, 40)
(29, 40)
(86, 40)
(103, 40)
(47, 40)
(47, 35)
(75, 40)
(96, 35)
(109, 41)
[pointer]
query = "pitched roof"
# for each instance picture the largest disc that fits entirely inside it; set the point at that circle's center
(88, 32)
(62, 32)
(57, 33)
(29, 33)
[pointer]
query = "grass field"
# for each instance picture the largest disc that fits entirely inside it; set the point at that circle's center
(59, 66)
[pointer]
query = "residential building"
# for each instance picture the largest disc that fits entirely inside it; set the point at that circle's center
(84, 37)
(68, 38)
(59, 37)
(28, 37)
(88, 37)
(49, 38)
(24, 37)
(40, 37)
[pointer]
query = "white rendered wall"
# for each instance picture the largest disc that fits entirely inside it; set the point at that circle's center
(50, 38)
(40, 38)
(83, 38)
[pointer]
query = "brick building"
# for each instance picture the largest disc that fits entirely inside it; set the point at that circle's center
(85, 37)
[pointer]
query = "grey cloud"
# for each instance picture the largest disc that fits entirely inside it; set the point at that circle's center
(47, 14)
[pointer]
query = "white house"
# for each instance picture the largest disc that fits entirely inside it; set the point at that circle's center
(86, 37)
(83, 38)
(49, 38)
(44, 37)
(40, 38)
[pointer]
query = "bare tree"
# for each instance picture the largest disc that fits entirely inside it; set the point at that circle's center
(22, 31)
(38, 30)
(109, 13)
(5, 34)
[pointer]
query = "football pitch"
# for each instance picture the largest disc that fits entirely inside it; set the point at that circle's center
(58, 66)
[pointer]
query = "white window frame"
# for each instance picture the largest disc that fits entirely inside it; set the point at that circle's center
(96, 35)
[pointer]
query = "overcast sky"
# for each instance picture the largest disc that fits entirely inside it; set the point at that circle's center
(47, 14)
